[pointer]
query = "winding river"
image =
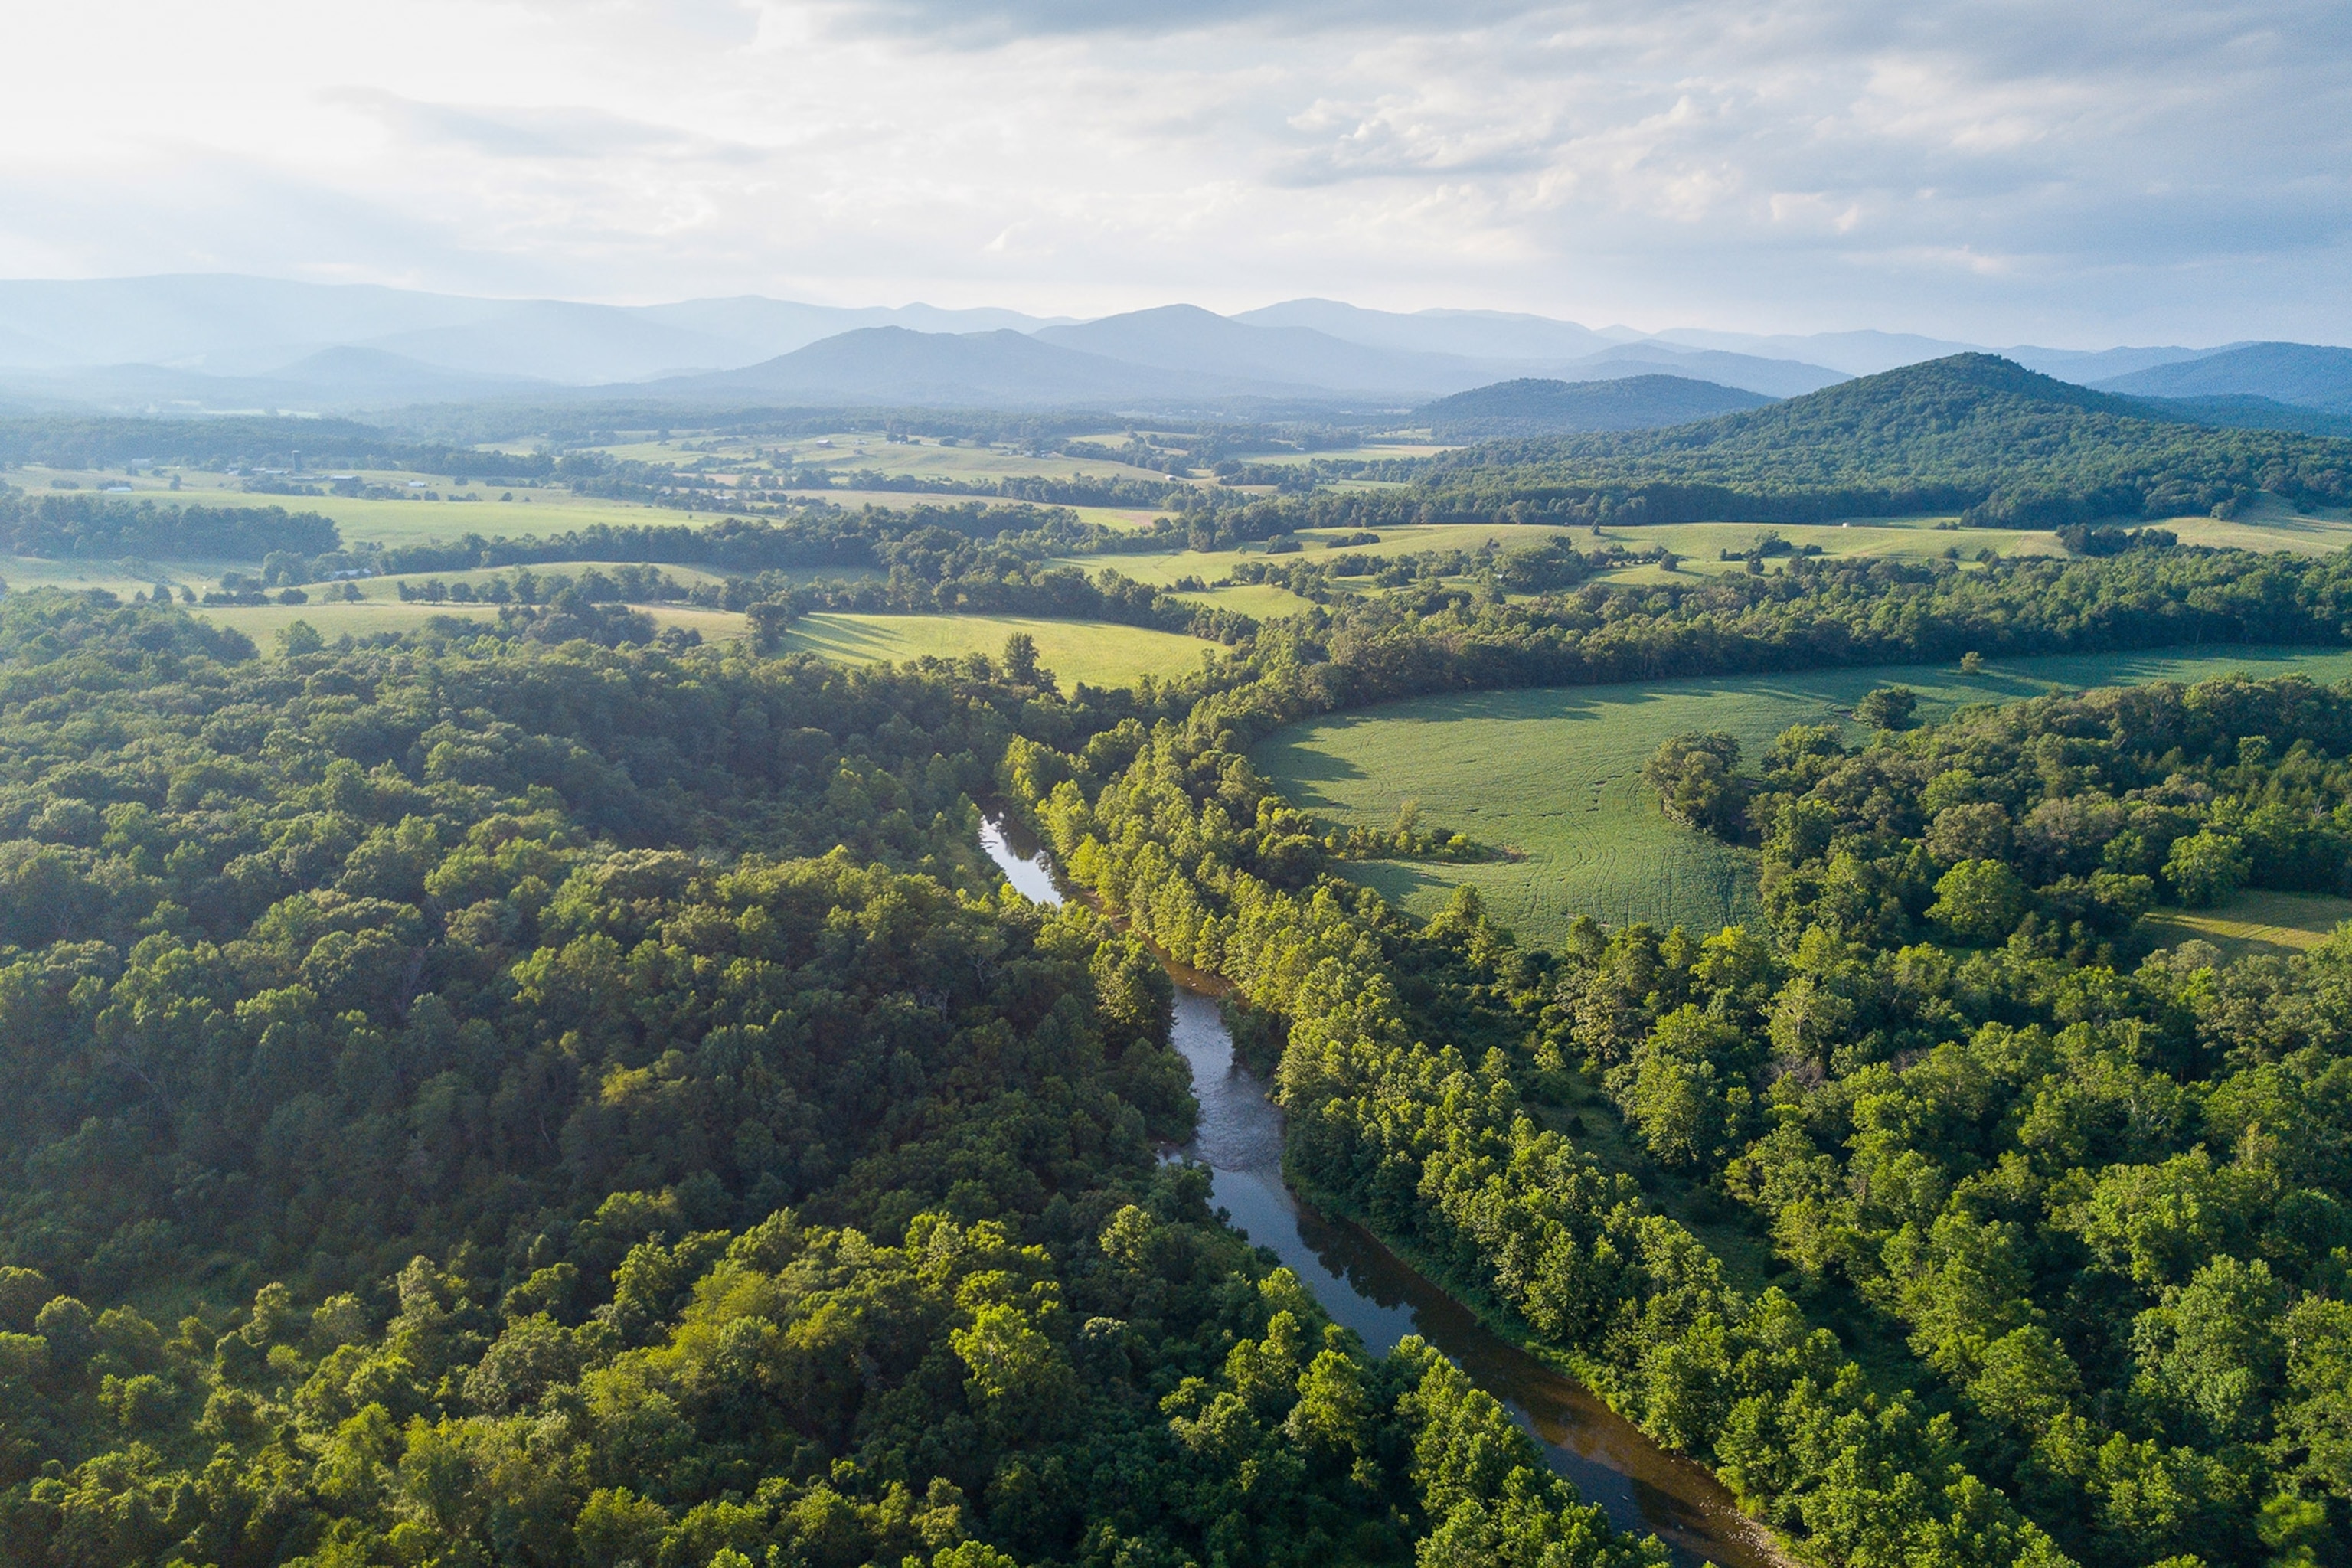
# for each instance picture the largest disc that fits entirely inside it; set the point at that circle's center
(1644, 1489)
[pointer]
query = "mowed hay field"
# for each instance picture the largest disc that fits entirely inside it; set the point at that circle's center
(1554, 775)
(2255, 923)
(1096, 652)
(262, 623)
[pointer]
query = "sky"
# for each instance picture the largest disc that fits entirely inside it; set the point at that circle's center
(2096, 173)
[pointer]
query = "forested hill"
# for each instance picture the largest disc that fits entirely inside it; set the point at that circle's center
(1534, 406)
(1973, 432)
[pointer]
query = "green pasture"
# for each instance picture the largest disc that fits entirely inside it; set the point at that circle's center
(2257, 922)
(1262, 601)
(21, 572)
(1120, 517)
(262, 623)
(387, 589)
(1096, 652)
(1553, 776)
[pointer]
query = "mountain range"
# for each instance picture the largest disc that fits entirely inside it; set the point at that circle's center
(216, 342)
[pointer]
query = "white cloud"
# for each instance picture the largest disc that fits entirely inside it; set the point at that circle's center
(1990, 170)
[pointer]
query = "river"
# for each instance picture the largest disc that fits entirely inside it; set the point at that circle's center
(1644, 1489)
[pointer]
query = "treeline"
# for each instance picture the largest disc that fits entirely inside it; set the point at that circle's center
(1820, 611)
(98, 527)
(933, 571)
(95, 441)
(1041, 489)
(819, 539)
(450, 1124)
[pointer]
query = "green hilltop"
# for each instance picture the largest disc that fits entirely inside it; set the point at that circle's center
(1970, 433)
(1535, 406)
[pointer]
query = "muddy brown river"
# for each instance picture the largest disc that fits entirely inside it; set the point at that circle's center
(1644, 1489)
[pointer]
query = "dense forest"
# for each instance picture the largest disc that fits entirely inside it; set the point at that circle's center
(2053, 1235)
(1534, 406)
(100, 528)
(484, 1103)
(471, 1098)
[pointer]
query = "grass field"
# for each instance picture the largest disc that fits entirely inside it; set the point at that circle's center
(1123, 519)
(1093, 651)
(40, 571)
(1554, 774)
(2258, 922)
(262, 623)
(1262, 600)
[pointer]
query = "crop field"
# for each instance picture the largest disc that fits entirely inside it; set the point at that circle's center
(1096, 652)
(2258, 922)
(1553, 776)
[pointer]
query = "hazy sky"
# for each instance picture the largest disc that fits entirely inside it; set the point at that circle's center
(2086, 173)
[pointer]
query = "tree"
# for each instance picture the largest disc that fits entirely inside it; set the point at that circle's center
(2206, 868)
(1978, 901)
(1021, 660)
(300, 637)
(1697, 780)
(1888, 708)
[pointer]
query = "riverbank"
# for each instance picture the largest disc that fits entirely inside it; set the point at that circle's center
(1367, 1287)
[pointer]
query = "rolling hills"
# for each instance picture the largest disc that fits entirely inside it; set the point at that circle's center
(894, 366)
(1536, 407)
(2303, 373)
(1971, 432)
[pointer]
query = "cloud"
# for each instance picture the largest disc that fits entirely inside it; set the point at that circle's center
(965, 20)
(561, 131)
(1980, 168)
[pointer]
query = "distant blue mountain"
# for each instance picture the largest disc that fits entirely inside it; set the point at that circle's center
(2303, 373)
(1543, 408)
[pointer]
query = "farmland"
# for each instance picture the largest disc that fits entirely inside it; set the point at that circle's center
(262, 623)
(1552, 775)
(1095, 652)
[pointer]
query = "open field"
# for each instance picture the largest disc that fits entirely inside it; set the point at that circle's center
(1096, 652)
(533, 514)
(2258, 922)
(262, 623)
(42, 571)
(1262, 600)
(1554, 774)
(1124, 519)
(846, 451)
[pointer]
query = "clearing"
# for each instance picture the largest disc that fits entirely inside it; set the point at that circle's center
(1554, 774)
(1096, 652)
(2257, 922)
(262, 623)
